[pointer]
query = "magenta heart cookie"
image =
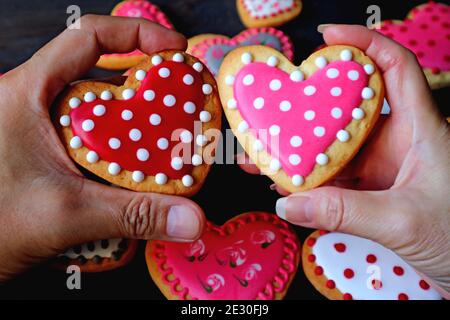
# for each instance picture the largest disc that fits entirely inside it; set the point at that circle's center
(133, 9)
(346, 267)
(253, 256)
(426, 32)
(300, 125)
(213, 50)
(149, 134)
(267, 13)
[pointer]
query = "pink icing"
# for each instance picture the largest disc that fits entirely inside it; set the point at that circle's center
(226, 264)
(141, 9)
(293, 122)
(427, 34)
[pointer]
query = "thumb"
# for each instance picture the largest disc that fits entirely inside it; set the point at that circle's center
(376, 215)
(104, 212)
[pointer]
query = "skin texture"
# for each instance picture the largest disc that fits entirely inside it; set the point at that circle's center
(46, 205)
(395, 191)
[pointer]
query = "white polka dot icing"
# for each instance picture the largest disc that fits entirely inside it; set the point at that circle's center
(64, 120)
(355, 265)
(312, 113)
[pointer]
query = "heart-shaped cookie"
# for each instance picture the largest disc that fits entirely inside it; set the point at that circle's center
(212, 50)
(426, 32)
(345, 267)
(267, 13)
(151, 133)
(134, 9)
(98, 256)
(300, 125)
(253, 256)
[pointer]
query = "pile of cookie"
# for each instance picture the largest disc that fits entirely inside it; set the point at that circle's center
(299, 124)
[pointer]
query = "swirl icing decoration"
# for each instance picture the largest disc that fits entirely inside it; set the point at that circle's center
(268, 13)
(212, 50)
(426, 32)
(300, 125)
(150, 133)
(346, 267)
(228, 262)
(133, 9)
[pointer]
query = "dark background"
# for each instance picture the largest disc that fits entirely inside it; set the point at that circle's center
(27, 25)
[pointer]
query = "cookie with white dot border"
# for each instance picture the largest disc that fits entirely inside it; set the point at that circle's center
(267, 13)
(152, 134)
(345, 267)
(426, 32)
(98, 256)
(301, 125)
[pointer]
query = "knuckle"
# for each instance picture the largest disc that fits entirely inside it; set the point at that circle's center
(140, 218)
(330, 210)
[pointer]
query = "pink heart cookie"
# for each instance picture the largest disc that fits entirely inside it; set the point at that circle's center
(346, 267)
(228, 262)
(267, 13)
(213, 49)
(134, 9)
(300, 125)
(426, 32)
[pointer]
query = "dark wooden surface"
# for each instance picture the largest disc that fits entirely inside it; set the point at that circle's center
(27, 25)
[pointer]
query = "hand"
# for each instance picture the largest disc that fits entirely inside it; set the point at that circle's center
(405, 163)
(46, 205)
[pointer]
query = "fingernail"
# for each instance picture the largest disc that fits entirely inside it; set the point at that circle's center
(273, 186)
(182, 223)
(295, 209)
(321, 27)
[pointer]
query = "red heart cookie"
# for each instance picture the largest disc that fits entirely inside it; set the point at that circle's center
(98, 256)
(253, 256)
(426, 32)
(134, 9)
(346, 267)
(267, 13)
(302, 125)
(213, 49)
(150, 133)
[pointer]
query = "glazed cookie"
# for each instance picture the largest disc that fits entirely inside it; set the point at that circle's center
(151, 134)
(267, 13)
(98, 256)
(228, 262)
(300, 125)
(135, 9)
(212, 50)
(346, 267)
(426, 32)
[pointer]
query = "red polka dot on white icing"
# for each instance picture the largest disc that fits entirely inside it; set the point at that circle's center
(296, 141)
(177, 163)
(169, 100)
(114, 143)
(127, 115)
(135, 134)
(149, 95)
(88, 125)
(353, 75)
(336, 91)
(127, 94)
(309, 115)
(188, 79)
(99, 110)
(332, 73)
(142, 154)
(309, 90)
(258, 103)
(319, 131)
(295, 159)
(162, 143)
(274, 130)
(155, 119)
(275, 85)
(285, 106)
(248, 80)
(164, 72)
(336, 112)
(186, 136)
(189, 107)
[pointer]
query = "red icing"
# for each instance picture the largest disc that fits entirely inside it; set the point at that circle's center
(425, 35)
(111, 123)
(311, 258)
(230, 262)
(398, 270)
(348, 296)
(293, 122)
(318, 270)
(403, 296)
(349, 273)
(311, 241)
(323, 232)
(340, 247)
(424, 285)
(377, 284)
(330, 284)
(371, 258)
